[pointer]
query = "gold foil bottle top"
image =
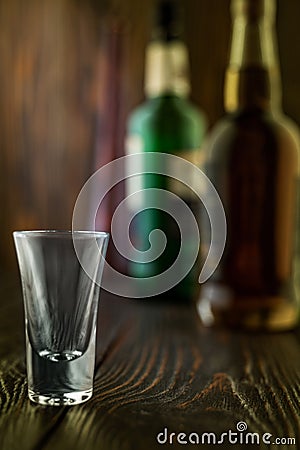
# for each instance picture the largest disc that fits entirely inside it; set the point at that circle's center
(252, 76)
(254, 10)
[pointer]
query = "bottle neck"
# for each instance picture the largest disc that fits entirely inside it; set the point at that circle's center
(166, 69)
(252, 77)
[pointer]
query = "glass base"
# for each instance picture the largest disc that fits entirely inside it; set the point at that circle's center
(219, 306)
(59, 399)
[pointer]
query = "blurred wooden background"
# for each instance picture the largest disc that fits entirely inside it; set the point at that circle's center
(71, 70)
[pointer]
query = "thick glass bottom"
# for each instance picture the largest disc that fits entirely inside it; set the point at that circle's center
(59, 399)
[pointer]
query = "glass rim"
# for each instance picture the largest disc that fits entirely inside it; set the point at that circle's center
(61, 233)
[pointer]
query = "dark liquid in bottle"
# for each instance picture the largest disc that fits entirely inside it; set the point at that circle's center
(253, 165)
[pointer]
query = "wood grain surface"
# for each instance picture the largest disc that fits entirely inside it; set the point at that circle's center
(69, 79)
(156, 368)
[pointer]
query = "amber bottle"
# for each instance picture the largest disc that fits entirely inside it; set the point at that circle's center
(252, 159)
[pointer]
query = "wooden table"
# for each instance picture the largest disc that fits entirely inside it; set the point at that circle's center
(158, 371)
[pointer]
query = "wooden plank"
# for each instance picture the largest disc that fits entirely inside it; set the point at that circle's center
(167, 372)
(49, 52)
(52, 93)
(157, 368)
(21, 425)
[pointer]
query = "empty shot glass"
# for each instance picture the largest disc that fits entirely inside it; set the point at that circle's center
(60, 302)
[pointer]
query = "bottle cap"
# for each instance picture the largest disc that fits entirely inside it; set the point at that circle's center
(167, 22)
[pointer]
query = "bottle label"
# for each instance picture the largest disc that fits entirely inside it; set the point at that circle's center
(134, 144)
(194, 156)
(166, 68)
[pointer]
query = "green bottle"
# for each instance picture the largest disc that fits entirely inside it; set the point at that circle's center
(166, 122)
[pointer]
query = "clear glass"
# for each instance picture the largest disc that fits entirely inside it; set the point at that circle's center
(60, 302)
